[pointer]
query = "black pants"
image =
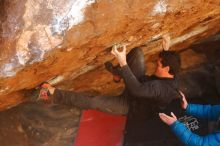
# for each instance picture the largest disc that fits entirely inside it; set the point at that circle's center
(111, 104)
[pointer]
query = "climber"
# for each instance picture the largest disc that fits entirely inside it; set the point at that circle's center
(117, 105)
(143, 97)
(147, 95)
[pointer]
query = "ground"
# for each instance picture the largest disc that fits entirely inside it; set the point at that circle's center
(40, 124)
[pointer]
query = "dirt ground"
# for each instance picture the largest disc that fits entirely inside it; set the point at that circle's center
(40, 124)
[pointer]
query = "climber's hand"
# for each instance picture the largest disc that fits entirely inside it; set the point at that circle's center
(121, 56)
(166, 42)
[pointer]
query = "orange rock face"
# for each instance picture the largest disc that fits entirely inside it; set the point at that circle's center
(72, 39)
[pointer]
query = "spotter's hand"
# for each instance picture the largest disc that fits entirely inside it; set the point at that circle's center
(184, 102)
(169, 120)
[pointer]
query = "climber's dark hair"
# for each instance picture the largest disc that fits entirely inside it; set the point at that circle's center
(171, 59)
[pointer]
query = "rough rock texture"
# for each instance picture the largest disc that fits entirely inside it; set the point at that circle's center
(70, 40)
(43, 39)
(39, 124)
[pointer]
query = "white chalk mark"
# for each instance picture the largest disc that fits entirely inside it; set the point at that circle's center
(73, 15)
(8, 70)
(160, 8)
(192, 33)
(47, 36)
(56, 80)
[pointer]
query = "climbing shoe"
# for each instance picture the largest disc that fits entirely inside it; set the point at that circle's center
(44, 93)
